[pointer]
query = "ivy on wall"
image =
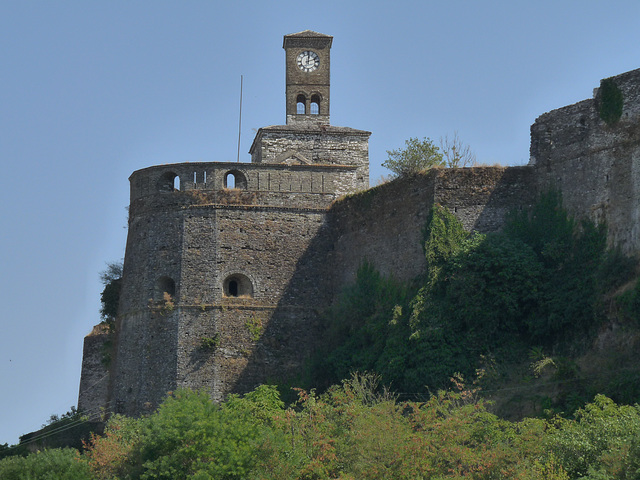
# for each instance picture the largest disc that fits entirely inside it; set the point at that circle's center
(610, 101)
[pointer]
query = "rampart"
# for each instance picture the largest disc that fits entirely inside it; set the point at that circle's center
(229, 265)
(594, 164)
(384, 225)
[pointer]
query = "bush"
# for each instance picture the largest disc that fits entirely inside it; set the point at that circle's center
(54, 464)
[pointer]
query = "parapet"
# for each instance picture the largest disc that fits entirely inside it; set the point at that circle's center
(264, 184)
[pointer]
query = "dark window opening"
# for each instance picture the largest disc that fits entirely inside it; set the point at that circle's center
(301, 105)
(315, 104)
(169, 182)
(233, 288)
(165, 287)
(237, 285)
(235, 179)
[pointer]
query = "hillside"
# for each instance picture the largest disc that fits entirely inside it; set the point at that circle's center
(539, 316)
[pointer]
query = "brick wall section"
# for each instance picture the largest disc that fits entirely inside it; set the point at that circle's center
(265, 184)
(596, 166)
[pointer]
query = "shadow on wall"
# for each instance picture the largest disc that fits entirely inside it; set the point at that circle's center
(280, 342)
(383, 225)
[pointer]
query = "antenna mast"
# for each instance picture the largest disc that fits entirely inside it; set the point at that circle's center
(240, 120)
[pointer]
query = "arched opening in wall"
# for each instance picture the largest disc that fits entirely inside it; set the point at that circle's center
(237, 285)
(315, 104)
(235, 179)
(168, 182)
(165, 289)
(301, 104)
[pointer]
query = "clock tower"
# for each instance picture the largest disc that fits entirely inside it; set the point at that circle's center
(308, 140)
(307, 77)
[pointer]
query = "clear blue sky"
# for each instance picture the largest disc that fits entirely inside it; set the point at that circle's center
(92, 90)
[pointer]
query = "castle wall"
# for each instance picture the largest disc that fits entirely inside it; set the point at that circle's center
(384, 225)
(261, 336)
(94, 382)
(192, 243)
(596, 166)
(263, 184)
(326, 145)
(223, 287)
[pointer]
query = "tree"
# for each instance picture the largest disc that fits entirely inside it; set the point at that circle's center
(190, 436)
(455, 153)
(111, 278)
(418, 155)
(54, 464)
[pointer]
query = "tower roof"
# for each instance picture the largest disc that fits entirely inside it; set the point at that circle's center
(305, 34)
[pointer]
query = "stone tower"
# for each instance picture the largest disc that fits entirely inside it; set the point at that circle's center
(223, 271)
(307, 77)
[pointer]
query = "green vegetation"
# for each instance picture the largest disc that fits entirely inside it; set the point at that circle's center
(110, 298)
(355, 430)
(485, 302)
(210, 343)
(418, 155)
(53, 464)
(255, 328)
(610, 101)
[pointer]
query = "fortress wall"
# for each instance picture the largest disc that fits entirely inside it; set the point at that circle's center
(262, 336)
(384, 225)
(144, 367)
(596, 166)
(200, 239)
(481, 197)
(204, 178)
(146, 360)
(94, 380)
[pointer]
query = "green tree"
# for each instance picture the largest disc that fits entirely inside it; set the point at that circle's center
(111, 278)
(54, 464)
(602, 442)
(418, 155)
(190, 435)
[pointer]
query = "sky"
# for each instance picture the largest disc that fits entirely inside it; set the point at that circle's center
(91, 91)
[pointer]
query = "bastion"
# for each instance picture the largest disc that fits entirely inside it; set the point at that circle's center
(229, 266)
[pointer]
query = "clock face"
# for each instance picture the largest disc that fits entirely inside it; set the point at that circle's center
(308, 61)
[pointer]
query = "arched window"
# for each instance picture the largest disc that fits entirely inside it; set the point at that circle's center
(301, 104)
(315, 104)
(235, 179)
(230, 181)
(168, 182)
(164, 286)
(237, 285)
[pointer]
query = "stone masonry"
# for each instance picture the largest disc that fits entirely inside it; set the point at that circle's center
(228, 266)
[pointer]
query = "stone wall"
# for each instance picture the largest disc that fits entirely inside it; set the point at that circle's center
(595, 165)
(316, 145)
(94, 381)
(384, 225)
(192, 243)
(264, 184)
(251, 268)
